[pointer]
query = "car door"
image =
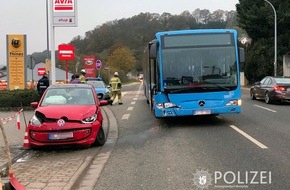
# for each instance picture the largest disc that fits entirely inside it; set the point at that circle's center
(265, 86)
(258, 92)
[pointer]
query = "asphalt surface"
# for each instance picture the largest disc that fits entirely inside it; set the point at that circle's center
(55, 169)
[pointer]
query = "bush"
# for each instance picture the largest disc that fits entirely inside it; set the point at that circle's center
(15, 99)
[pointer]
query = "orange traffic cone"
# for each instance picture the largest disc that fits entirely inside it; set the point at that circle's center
(26, 144)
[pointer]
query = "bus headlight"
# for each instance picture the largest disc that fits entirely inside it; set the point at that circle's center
(234, 103)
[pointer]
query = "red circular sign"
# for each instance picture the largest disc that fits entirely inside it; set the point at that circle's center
(98, 64)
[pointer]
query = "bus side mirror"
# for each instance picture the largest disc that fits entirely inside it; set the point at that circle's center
(153, 49)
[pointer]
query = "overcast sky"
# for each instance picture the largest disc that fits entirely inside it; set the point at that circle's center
(29, 17)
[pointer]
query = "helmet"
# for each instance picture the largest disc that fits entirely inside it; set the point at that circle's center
(116, 74)
(83, 71)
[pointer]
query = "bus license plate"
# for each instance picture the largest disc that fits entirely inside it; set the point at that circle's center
(202, 112)
(57, 136)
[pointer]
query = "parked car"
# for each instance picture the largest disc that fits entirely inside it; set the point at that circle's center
(102, 90)
(271, 89)
(93, 79)
(67, 114)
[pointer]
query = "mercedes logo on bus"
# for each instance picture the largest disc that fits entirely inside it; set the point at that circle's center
(201, 103)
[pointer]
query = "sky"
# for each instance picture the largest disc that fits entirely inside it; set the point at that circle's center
(28, 17)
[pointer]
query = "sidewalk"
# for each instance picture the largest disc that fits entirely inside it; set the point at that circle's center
(15, 137)
(53, 170)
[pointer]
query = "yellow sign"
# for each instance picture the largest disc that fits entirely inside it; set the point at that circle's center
(48, 65)
(16, 54)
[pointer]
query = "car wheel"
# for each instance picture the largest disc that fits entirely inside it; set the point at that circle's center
(101, 137)
(253, 97)
(267, 98)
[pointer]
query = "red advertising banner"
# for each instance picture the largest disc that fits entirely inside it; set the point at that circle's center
(89, 65)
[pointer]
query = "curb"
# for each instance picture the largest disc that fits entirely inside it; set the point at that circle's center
(89, 179)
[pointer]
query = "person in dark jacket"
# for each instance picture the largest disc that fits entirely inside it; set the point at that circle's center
(42, 84)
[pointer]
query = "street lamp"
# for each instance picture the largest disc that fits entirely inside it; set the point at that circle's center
(275, 38)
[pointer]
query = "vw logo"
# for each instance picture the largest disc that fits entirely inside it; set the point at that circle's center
(201, 103)
(60, 122)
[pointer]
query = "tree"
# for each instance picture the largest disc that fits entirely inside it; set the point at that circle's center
(121, 59)
(256, 17)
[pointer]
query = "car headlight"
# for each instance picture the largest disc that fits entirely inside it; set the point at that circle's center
(35, 121)
(90, 119)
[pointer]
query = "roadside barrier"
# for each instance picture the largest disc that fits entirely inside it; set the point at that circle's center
(17, 115)
(26, 144)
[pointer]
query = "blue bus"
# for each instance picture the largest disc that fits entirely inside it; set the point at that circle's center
(193, 72)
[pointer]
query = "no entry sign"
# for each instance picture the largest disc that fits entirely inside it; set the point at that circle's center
(41, 71)
(66, 52)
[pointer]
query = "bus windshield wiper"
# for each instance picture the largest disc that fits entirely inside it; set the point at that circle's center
(186, 88)
(198, 87)
(216, 85)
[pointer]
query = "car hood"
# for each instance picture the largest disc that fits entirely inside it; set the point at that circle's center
(71, 112)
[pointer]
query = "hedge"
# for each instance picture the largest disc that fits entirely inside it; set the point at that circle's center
(15, 99)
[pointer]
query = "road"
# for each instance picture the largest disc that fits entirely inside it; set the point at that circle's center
(243, 151)
(239, 151)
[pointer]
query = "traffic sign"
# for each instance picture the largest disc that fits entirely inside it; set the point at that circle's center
(98, 64)
(66, 52)
(41, 71)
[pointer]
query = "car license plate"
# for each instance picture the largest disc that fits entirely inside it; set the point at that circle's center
(58, 136)
(202, 112)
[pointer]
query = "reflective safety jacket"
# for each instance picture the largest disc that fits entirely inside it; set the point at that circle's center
(115, 83)
(82, 79)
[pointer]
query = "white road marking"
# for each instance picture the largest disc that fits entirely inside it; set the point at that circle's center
(130, 108)
(133, 102)
(135, 98)
(265, 108)
(126, 116)
(249, 137)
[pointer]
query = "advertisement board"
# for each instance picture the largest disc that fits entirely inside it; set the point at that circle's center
(64, 13)
(89, 65)
(16, 62)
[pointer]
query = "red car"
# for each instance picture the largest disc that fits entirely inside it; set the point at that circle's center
(67, 114)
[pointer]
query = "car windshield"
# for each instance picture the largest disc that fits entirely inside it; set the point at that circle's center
(68, 96)
(97, 84)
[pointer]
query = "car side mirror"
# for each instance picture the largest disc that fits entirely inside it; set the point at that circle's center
(34, 104)
(257, 83)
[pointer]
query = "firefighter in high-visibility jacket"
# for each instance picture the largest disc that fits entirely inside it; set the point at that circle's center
(82, 76)
(116, 87)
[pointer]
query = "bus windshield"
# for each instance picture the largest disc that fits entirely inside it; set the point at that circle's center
(199, 68)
